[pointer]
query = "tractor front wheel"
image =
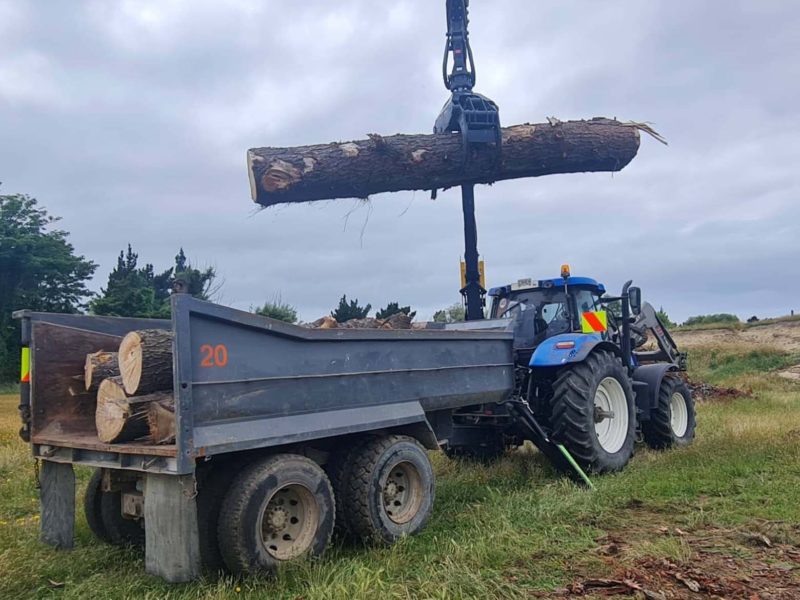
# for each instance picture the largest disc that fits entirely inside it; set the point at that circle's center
(594, 412)
(672, 423)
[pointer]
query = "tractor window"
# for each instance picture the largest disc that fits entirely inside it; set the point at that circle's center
(585, 301)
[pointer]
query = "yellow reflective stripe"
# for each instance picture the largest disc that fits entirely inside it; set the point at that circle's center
(25, 365)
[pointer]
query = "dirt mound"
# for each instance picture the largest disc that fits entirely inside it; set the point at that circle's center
(706, 392)
(784, 335)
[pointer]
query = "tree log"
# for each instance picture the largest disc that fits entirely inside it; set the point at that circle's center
(161, 422)
(424, 162)
(145, 361)
(120, 418)
(99, 366)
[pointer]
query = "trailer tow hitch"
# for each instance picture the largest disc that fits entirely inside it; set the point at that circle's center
(557, 453)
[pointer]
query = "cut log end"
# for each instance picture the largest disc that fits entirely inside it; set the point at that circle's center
(145, 361)
(113, 410)
(161, 422)
(99, 366)
(253, 189)
(130, 361)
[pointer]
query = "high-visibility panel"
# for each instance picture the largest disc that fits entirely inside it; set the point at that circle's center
(25, 366)
(594, 321)
(480, 270)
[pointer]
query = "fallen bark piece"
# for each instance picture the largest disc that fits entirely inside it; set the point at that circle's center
(145, 361)
(423, 162)
(161, 421)
(99, 366)
(120, 418)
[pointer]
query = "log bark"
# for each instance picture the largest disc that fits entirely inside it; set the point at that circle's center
(145, 361)
(161, 422)
(99, 366)
(424, 162)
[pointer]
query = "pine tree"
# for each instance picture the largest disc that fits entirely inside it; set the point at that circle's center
(392, 309)
(352, 310)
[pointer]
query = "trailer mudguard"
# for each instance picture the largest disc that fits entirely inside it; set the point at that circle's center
(651, 376)
(547, 354)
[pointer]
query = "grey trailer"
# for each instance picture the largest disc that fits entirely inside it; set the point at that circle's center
(284, 434)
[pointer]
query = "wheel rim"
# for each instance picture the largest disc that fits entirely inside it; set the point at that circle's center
(610, 415)
(289, 521)
(402, 492)
(679, 414)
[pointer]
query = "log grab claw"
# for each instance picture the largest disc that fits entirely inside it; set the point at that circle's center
(473, 115)
(478, 120)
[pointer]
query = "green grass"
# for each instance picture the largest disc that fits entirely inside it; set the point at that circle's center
(735, 364)
(502, 531)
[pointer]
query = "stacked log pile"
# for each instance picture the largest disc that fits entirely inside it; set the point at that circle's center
(396, 321)
(135, 401)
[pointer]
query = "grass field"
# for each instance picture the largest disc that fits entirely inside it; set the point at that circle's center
(721, 515)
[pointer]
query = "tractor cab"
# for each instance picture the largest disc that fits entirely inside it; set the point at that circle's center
(565, 307)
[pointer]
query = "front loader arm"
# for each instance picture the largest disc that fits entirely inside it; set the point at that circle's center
(647, 320)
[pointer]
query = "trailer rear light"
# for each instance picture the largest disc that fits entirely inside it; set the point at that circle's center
(565, 345)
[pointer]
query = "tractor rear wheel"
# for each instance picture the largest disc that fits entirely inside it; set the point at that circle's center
(672, 423)
(594, 412)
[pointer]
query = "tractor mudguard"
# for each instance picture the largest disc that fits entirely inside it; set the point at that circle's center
(651, 376)
(547, 354)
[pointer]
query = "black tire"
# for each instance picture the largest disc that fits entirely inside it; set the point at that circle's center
(247, 502)
(339, 468)
(91, 506)
(209, 503)
(573, 414)
(659, 431)
(121, 531)
(387, 472)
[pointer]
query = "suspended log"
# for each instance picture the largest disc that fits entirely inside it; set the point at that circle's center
(145, 361)
(161, 422)
(424, 162)
(99, 366)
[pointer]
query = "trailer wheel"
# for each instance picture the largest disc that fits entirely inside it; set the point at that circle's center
(389, 490)
(91, 506)
(209, 502)
(673, 421)
(121, 531)
(594, 412)
(276, 510)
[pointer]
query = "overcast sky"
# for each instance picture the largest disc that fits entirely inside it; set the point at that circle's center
(131, 120)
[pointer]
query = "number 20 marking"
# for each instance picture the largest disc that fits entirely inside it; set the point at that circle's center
(214, 356)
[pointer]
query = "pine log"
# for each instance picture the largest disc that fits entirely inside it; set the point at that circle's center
(99, 366)
(434, 161)
(145, 361)
(161, 422)
(120, 418)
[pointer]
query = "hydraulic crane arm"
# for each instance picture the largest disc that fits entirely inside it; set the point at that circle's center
(478, 120)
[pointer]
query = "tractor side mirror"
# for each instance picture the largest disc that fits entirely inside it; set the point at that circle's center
(635, 299)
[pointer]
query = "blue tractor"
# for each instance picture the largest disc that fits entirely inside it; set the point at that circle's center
(584, 383)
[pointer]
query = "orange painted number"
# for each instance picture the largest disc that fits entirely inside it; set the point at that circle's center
(214, 356)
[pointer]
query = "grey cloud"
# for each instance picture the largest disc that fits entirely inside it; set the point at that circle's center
(131, 120)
